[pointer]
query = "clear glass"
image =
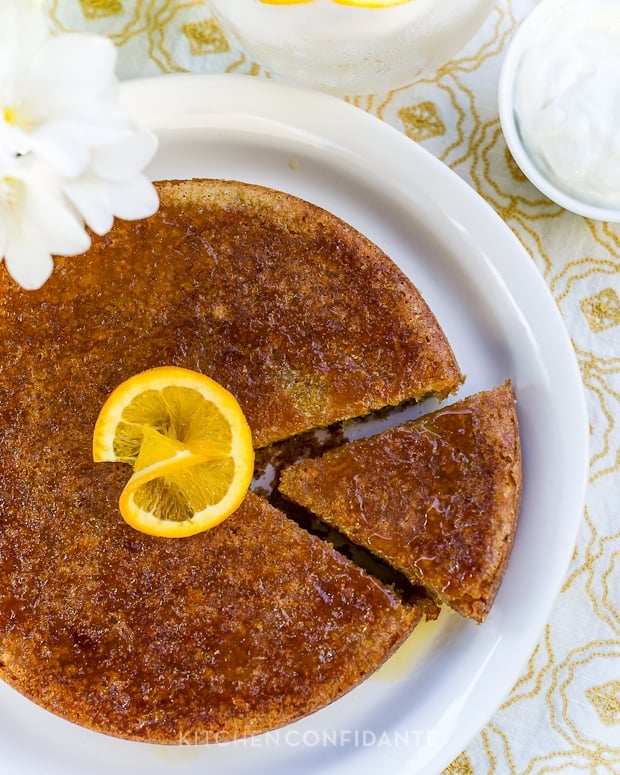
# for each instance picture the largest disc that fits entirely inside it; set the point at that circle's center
(348, 50)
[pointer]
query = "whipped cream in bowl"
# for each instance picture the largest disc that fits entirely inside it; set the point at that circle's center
(344, 48)
(559, 104)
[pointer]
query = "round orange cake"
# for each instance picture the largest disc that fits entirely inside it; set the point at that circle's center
(254, 623)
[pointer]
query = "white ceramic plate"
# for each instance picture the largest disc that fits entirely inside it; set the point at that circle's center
(422, 708)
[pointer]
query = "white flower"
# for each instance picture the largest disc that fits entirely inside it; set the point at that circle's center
(66, 145)
(35, 221)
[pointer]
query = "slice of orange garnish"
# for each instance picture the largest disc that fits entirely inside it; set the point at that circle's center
(189, 444)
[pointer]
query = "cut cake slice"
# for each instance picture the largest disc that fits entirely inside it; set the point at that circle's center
(437, 498)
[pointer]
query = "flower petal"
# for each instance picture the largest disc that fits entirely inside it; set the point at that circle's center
(61, 145)
(68, 71)
(126, 158)
(48, 219)
(67, 144)
(106, 110)
(28, 265)
(92, 202)
(98, 200)
(13, 140)
(58, 229)
(134, 198)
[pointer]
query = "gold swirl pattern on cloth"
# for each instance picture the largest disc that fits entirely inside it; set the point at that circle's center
(563, 714)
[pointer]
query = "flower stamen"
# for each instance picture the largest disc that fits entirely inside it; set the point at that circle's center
(9, 115)
(17, 118)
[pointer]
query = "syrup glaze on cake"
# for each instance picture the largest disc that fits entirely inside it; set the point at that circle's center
(437, 498)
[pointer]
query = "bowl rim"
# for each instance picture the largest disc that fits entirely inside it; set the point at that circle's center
(520, 43)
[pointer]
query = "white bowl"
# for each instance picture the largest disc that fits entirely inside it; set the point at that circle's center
(535, 172)
(349, 50)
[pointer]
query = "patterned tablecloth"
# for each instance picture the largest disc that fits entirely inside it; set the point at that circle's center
(563, 715)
